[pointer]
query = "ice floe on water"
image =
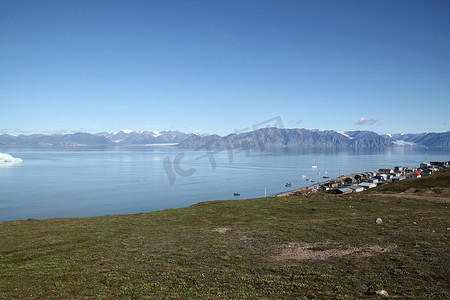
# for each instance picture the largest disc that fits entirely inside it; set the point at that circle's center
(6, 159)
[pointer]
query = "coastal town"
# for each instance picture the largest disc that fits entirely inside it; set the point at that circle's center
(358, 182)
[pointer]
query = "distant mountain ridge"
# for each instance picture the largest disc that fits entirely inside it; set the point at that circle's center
(104, 139)
(258, 139)
(129, 137)
(429, 139)
(279, 137)
(42, 140)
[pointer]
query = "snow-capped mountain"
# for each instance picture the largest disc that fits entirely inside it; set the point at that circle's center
(429, 139)
(270, 137)
(145, 137)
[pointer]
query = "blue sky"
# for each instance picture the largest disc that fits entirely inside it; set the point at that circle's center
(217, 66)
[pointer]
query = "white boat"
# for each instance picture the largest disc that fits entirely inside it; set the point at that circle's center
(303, 176)
(314, 166)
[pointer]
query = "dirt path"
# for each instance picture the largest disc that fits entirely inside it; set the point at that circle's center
(316, 251)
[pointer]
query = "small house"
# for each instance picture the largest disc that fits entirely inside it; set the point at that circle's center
(415, 175)
(333, 184)
(425, 165)
(426, 172)
(371, 180)
(371, 174)
(343, 190)
(442, 164)
(303, 192)
(323, 187)
(397, 178)
(356, 188)
(382, 177)
(349, 180)
(367, 185)
(358, 177)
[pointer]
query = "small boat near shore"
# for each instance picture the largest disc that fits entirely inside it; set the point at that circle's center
(288, 184)
(237, 194)
(326, 177)
(314, 166)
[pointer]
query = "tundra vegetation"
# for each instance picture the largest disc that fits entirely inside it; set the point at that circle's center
(314, 246)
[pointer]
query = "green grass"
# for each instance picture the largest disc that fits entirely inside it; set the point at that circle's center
(180, 253)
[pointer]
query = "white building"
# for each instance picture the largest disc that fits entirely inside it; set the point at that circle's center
(356, 188)
(367, 185)
(370, 180)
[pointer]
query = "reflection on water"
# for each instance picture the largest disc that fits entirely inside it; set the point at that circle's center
(352, 150)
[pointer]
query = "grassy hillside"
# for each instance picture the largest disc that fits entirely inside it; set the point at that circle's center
(316, 246)
(436, 183)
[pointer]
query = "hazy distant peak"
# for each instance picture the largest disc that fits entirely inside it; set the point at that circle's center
(150, 132)
(123, 131)
(103, 133)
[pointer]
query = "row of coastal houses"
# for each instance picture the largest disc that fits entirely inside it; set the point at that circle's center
(362, 181)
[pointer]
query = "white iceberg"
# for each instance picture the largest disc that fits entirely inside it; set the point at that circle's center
(5, 159)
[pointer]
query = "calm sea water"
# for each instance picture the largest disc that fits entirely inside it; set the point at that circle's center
(54, 184)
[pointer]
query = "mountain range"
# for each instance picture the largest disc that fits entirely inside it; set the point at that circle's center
(430, 139)
(128, 137)
(277, 137)
(105, 139)
(258, 139)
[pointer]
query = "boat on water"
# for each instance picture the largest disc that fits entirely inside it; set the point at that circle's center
(326, 177)
(314, 166)
(303, 176)
(237, 194)
(288, 184)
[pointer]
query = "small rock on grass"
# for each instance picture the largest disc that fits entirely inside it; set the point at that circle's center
(382, 293)
(378, 221)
